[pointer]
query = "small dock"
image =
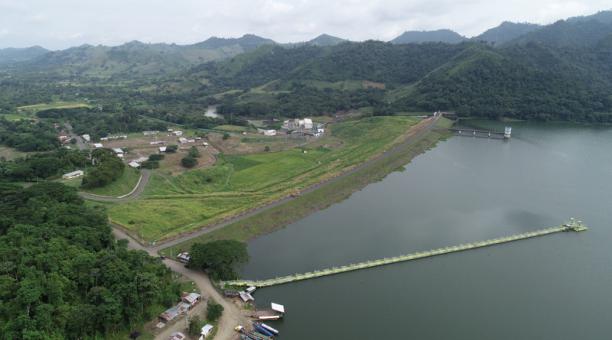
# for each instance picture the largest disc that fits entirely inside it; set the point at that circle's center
(571, 226)
(471, 132)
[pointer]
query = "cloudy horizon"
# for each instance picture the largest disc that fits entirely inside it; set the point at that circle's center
(65, 23)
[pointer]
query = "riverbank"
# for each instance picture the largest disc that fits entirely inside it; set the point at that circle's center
(335, 190)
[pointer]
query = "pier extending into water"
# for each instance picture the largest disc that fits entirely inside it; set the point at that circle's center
(471, 132)
(572, 225)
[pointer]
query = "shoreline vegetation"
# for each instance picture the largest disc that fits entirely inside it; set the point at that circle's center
(322, 197)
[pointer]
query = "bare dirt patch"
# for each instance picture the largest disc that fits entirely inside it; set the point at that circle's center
(241, 144)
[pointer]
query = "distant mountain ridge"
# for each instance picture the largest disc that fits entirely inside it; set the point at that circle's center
(136, 59)
(417, 37)
(326, 40)
(505, 32)
(15, 55)
(247, 42)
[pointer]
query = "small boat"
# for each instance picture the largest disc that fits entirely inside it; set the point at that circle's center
(260, 329)
(257, 336)
(270, 317)
(269, 328)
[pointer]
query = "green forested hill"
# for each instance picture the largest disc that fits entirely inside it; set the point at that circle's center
(505, 32)
(443, 35)
(15, 55)
(558, 71)
(136, 59)
(62, 274)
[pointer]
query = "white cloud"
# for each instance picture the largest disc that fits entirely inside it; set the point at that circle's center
(63, 23)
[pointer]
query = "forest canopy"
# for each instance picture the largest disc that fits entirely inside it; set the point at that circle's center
(63, 275)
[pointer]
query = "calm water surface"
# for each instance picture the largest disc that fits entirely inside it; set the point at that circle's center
(466, 189)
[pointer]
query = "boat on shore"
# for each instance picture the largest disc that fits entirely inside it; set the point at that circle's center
(260, 329)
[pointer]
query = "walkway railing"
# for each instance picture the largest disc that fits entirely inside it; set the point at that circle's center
(573, 225)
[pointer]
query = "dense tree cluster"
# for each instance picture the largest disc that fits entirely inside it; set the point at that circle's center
(219, 258)
(107, 168)
(63, 276)
(100, 124)
(28, 135)
(43, 165)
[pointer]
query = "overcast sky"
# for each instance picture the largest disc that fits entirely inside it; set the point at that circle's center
(59, 24)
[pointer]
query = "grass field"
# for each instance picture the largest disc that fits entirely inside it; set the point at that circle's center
(13, 117)
(300, 207)
(231, 128)
(121, 186)
(176, 204)
(10, 153)
(55, 105)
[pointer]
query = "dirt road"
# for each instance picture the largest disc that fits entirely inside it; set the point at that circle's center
(232, 315)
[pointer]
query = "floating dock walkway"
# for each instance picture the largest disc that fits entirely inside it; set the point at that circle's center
(573, 225)
(471, 132)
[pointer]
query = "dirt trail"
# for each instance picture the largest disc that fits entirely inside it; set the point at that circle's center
(232, 315)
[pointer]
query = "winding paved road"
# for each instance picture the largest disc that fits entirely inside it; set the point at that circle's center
(145, 175)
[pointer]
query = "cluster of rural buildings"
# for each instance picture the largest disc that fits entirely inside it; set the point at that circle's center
(297, 126)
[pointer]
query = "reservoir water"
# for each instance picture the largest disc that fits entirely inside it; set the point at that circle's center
(465, 189)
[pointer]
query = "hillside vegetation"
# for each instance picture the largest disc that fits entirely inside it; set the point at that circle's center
(560, 71)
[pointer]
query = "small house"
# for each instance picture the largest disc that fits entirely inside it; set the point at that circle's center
(306, 123)
(206, 330)
(162, 149)
(98, 145)
(178, 133)
(134, 164)
(73, 174)
(118, 151)
(269, 132)
(86, 138)
(182, 140)
(192, 299)
(150, 133)
(246, 297)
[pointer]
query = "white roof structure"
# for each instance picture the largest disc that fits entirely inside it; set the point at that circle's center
(73, 174)
(278, 308)
(117, 150)
(192, 298)
(98, 145)
(246, 297)
(86, 137)
(206, 329)
(162, 149)
(134, 164)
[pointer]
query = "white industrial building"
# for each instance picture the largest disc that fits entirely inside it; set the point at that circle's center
(73, 174)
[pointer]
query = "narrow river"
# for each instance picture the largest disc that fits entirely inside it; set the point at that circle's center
(465, 189)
